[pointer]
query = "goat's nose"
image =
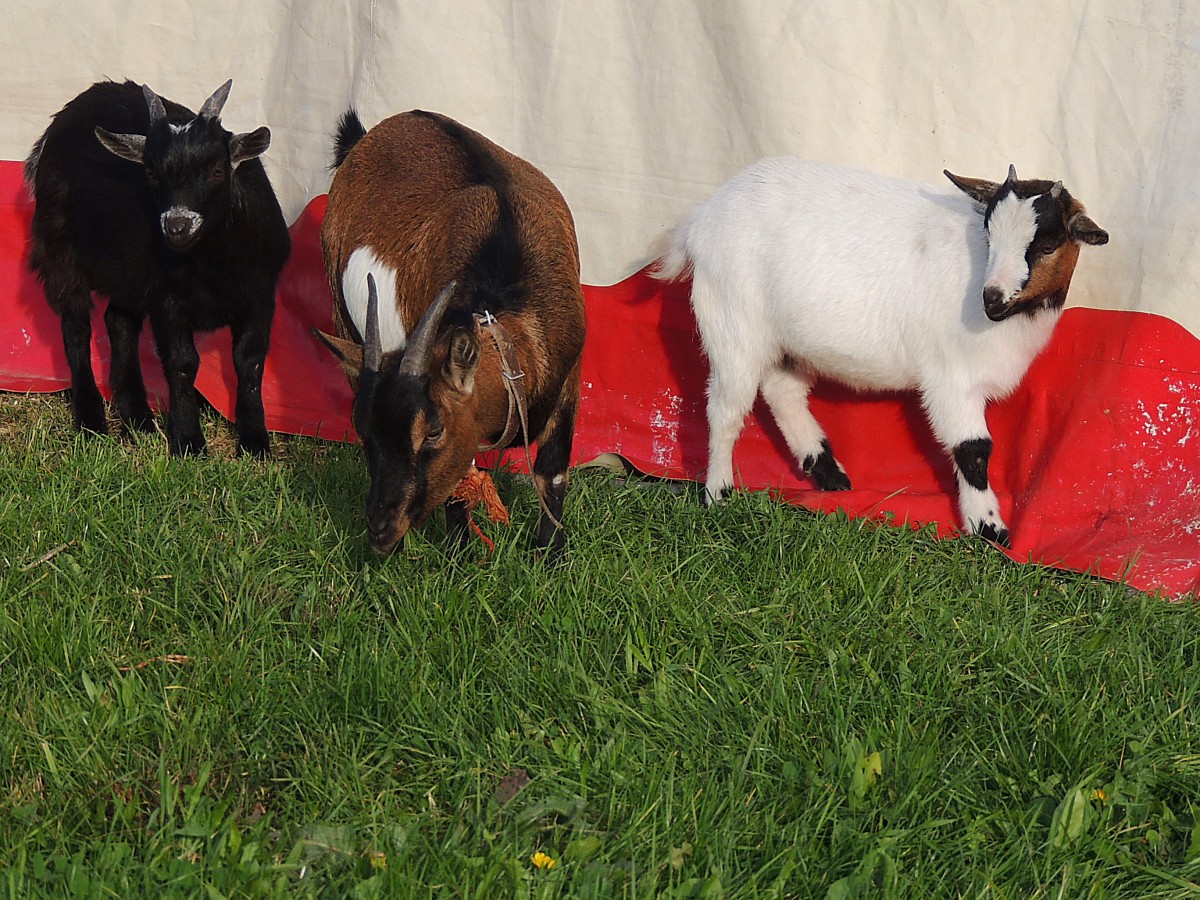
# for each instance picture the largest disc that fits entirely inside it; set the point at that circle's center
(180, 224)
(993, 298)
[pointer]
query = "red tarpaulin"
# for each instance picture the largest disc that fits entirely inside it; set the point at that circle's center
(1096, 461)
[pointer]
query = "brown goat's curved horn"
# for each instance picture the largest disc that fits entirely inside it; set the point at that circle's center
(416, 356)
(154, 104)
(213, 105)
(372, 348)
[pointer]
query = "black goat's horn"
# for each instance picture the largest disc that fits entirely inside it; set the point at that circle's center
(154, 103)
(372, 348)
(420, 347)
(213, 105)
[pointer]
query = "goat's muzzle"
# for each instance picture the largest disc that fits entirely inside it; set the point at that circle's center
(994, 304)
(181, 226)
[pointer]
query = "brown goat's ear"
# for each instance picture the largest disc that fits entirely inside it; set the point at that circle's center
(248, 146)
(463, 360)
(976, 188)
(1084, 230)
(349, 354)
(127, 146)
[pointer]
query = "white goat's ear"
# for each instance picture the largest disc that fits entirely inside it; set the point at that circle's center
(463, 361)
(127, 146)
(349, 354)
(249, 145)
(977, 189)
(1084, 230)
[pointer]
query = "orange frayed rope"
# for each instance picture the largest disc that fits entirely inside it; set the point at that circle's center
(475, 488)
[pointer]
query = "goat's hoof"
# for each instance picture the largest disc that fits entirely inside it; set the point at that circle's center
(91, 421)
(830, 480)
(718, 497)
(990, 532)
(823, 470)
(189, 446)
(258, 447)
(137, 423)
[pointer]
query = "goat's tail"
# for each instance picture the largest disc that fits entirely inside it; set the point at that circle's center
(670, 254)
(31, 163)
(349, 132)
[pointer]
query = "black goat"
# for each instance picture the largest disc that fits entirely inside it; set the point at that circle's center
(173, 218)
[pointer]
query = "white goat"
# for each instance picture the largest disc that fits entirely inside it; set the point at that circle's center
(803, 269)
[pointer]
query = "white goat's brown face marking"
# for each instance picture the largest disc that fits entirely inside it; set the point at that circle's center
(1034, 229)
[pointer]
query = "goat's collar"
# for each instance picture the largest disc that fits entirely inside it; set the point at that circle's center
(518, 399)
(514, 381)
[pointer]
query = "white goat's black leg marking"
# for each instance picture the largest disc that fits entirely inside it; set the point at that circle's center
(825, 471)
(960, 425)
(979, 505)
(786, 393)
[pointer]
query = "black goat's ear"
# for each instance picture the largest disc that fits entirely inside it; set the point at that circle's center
(463, 360)
(249, 145)
(977, 189)
(1083, 229)
(127, 146)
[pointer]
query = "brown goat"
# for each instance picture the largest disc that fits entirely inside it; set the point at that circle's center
(452, 228)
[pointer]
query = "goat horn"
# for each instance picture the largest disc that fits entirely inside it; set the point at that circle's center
(213, 105)
(416, 357)
(154, 103)
(1056, 190)
(372, 348)
(1012, 172)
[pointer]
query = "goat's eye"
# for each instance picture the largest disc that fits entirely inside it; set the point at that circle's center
(217, 172)
(1047, 248)
(435, 434)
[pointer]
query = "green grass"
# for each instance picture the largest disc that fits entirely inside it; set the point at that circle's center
(209, 686)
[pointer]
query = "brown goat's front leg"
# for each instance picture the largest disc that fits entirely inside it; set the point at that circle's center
(550, 471)
(181, 362)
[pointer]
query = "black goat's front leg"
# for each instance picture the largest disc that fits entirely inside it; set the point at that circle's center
(129, 391)
(87, 406)
(251, 340)
(181, 362)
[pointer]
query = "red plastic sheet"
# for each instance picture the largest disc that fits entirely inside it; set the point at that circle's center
(1097, 456)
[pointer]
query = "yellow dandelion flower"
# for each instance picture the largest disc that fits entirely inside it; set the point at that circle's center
(378, 859)
(542, 861)
(1100, 795)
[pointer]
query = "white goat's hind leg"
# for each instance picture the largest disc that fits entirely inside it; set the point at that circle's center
(730, 396)
(961, 427)
(786, 392)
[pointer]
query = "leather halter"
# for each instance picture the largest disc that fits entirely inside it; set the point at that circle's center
(518, 398)
(514, 381)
